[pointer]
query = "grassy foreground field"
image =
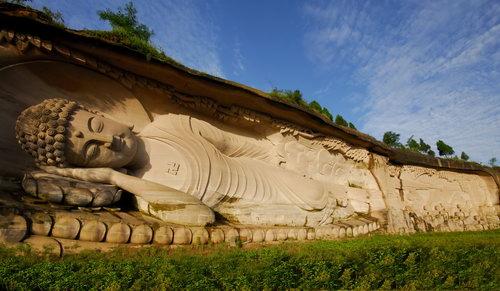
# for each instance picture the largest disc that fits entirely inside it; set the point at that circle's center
(467, 260)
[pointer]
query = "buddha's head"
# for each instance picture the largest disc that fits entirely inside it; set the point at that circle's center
(59, 132)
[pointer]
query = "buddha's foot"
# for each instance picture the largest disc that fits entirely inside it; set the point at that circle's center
(58, 189)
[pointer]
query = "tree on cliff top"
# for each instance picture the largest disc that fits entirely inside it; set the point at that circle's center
(125, 20)
(127, 30)
(392, 139)
(412, 144)
(464, 156)
(339, 120)
(294, 96)
(444, 149)
(424, 148)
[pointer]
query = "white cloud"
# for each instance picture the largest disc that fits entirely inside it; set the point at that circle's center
(186, 31)
(431, 68)
(238, 59)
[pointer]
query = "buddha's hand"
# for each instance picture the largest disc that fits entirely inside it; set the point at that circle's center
(76, 187)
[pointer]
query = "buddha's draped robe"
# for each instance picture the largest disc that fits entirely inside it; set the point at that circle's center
(217, 166)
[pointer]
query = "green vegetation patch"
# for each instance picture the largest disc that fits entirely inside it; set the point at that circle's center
(424, 261)
(128, 31)
(129, 40)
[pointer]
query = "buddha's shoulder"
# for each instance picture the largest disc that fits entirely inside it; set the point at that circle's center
(166, 122)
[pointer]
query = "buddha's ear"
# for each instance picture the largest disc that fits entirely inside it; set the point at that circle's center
(128, 124)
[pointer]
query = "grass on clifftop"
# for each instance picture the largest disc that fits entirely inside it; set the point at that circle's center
(126, 39)
(424, 261)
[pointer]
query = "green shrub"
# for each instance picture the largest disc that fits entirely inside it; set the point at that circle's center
(294, 97)
(339, 120)
(424, 261)
(125, 38)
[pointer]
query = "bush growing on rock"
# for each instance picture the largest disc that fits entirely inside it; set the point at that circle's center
(444, 149)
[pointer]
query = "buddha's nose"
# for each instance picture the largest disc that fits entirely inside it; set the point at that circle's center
(113, 142)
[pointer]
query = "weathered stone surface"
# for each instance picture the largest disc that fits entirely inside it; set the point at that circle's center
(41, 224)
(75, 246)
(13, 228)
(66, 227)
(320, 233)
(311, 234)
(292, 234)
(200, 236)
(335, 231)
(302, 234)
(216, 235)
(355, 231)
(246, 235)
(281, 234)
(342, 232)
(163, 235)
(78, 196)
(29, 185)
(348, 231)
(270, 235)
(118, 233)
(50, 192)
(141, 234)
(258, 235)
(231, 235)
(44, 245)
(93, 231)
(182, 236)
(104, 197)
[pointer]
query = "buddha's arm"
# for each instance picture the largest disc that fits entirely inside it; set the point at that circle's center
(150, 191)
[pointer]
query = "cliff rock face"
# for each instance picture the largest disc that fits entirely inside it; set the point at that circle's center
(255, 160)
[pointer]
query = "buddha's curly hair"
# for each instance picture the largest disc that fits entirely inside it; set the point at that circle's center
(41, 129)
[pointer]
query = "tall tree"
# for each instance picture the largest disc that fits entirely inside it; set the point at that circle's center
(412, 144)
(327, 113)
(314, 105)
(125, 21)
(444, 149)
(339, 120)
(392, 139)
(351, 125)
(464, 156)
(424, 148)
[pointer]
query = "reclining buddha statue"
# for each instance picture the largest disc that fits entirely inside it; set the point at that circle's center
(179, 169)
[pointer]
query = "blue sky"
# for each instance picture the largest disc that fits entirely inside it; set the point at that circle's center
(424, 68)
